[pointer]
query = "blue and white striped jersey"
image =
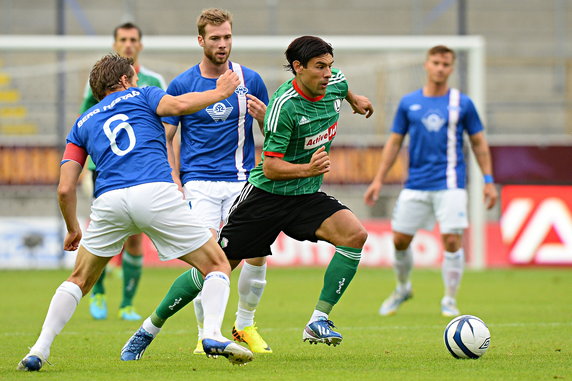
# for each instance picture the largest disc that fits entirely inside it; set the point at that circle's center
(436, 158)
(217, 143)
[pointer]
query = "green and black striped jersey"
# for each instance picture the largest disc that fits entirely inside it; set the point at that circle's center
(295, 127)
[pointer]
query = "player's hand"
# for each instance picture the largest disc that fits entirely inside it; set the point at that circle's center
(361, 105)
(490, 195)
(371, 194)
(71, 242)
(256, 108)
(319, 162)
(227, 83)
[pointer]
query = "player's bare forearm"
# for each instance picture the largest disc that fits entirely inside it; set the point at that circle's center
(360, 104)
(388, 157)
(67, 197)
(190, 103)
(257, 109)
(173, 152)
(482, 152)
(278, 169)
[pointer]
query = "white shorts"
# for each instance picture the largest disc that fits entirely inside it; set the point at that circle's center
(416, 209)
(211, 200)
(156, 209)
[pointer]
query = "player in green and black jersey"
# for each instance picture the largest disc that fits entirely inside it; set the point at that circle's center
(283, 191)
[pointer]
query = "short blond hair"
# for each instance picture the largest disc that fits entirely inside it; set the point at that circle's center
(441, 49)
(212, 16)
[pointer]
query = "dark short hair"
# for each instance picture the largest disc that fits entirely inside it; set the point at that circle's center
(106, 74)
(127, 25)
(304, 48)
(212, 16)
(441, 49)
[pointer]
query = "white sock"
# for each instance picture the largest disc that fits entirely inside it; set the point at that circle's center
(199, 313)
(62, 307)
(251, 283)
(317, 315)
(402, 267)
(215, 297)
(452, 271)
(150, 327)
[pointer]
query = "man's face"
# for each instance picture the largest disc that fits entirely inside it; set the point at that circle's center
(313, 79)
(439, 67)
(217, 42)
(134, 79)
(128, 43)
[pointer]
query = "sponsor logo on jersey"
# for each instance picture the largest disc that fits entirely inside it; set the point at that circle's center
(337, 105)
(433, 120)
(219, 111)
(321, 138)
(241, 90)
(303, 120)
(415, 107)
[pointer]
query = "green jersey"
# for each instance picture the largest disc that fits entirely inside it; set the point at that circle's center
(295, 127)
(146, 78)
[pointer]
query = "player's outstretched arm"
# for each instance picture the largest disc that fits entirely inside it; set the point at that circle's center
(360, 104)
(480, 148)
(192, 102)
(388, 156)
(276, 168)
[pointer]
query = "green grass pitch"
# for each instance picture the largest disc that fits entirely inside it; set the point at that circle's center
(528, 311)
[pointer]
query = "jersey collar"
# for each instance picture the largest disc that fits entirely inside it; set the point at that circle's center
(299, 91)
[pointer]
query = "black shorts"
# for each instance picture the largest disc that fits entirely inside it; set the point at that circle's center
(257, 217)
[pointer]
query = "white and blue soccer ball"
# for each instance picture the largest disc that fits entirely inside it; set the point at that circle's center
(467, 337)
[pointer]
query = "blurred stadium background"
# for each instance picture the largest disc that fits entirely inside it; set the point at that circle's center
(526, 104)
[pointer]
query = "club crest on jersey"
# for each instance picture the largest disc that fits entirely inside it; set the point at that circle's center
(337, 105)
(321, 138)
(219, 111)
(241, 90)
(433, 120)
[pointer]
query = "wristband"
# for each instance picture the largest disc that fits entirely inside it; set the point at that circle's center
(488, 179)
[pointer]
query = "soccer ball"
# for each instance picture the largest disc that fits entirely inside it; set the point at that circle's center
(467, 337)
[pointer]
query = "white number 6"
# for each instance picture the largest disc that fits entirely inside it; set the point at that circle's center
(112, 134)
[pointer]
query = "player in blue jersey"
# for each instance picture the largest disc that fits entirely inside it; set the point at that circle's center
(435, 117)
(127, 43)
(134, 193)
(217, 154)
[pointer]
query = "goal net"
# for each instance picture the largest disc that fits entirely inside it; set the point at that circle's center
(43, 78)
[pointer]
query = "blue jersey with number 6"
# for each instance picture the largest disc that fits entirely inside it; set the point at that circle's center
(125, 138)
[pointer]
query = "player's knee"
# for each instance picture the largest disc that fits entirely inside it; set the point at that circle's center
(357, 238)
(452, 242)
(401, 243)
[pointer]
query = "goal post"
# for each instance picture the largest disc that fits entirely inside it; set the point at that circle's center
(391, 64)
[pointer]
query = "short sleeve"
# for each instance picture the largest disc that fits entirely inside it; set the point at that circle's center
(173, 90)
(400, 121)
(471, 120)
(153, 95)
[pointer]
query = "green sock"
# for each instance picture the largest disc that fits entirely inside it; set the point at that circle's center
(132, 269)
(183, 290)
(338, 276)
(99, 288)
